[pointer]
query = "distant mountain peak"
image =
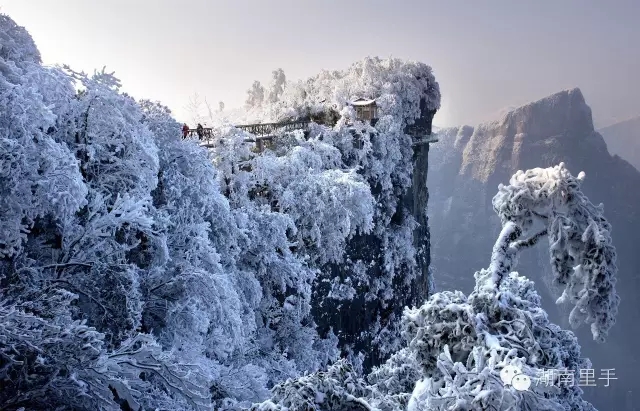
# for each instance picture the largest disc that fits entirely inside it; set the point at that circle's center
(620, 124)
(573, 96)
(550, 124)
(552, 115)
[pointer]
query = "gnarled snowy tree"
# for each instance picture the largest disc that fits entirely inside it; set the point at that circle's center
(582, 256)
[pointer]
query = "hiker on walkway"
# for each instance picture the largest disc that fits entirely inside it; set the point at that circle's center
(200, 131)
(185, 130)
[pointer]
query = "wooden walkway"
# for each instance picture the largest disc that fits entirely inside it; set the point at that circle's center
(264, 132)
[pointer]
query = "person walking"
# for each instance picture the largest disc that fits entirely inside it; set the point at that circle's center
(200, 131)
(185, 130)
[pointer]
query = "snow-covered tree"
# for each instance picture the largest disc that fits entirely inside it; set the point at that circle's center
(195, 107)
(284, 244)
(337, 389)
(77, 230)
(116, 225)
(255, 96)
(276, 87)
(582, 256)
(126, 275)
(456, 346)
(373, 267)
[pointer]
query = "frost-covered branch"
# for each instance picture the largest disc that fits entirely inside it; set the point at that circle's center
(583, 258)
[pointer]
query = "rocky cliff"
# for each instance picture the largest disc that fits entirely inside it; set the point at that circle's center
(365, 322)
(623, 139)
(360, 293)
(466, 167)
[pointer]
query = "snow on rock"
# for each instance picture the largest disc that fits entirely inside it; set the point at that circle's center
(346, 186)
(396, 85)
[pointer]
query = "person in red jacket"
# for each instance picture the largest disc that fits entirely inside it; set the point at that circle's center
(185, 130)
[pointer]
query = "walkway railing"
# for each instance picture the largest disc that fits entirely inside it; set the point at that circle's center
(264, 132)
(265, 129)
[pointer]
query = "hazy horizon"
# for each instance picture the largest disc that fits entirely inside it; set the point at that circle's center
(493, 55)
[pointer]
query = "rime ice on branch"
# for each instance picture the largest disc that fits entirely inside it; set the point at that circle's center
(583, 258)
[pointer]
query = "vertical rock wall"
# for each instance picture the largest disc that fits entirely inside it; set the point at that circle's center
(362, 322)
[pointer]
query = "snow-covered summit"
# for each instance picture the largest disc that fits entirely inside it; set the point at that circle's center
(362, 273)
(397, 86)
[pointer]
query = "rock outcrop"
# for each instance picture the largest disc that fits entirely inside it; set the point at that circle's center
(360, 296)
(623, 139)
(364, 322)
(466, 167)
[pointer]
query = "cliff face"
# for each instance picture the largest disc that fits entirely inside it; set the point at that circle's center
(416, 200)
(363, 322)
(466, 167)
(623, 139)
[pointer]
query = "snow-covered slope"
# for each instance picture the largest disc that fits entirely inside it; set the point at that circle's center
(466, 167)
(134, 270)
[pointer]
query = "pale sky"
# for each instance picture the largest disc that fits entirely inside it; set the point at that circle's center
(486, 54)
